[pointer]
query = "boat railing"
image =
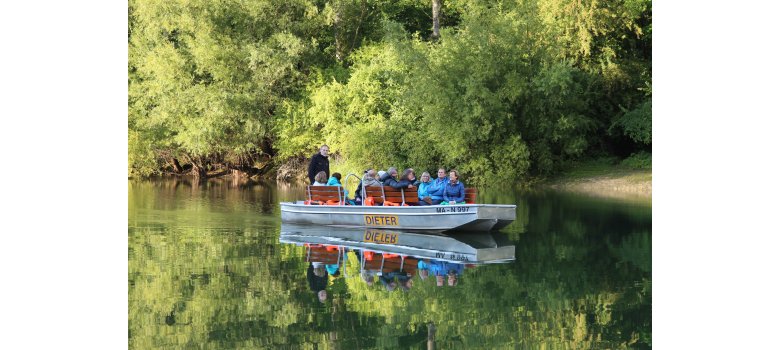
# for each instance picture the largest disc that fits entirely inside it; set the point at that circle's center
(346, 182)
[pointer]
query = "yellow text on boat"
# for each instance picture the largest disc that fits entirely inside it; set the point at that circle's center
(380, 237)
(381, 220)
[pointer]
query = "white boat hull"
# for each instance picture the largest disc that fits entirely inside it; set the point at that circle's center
(435, 218)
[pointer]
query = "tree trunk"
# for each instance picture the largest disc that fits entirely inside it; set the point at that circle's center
(176, 166)
(337, 30)
(436, 9)
(198, 171)
(431, 336)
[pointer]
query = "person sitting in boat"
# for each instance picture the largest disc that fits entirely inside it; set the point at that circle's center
(442, 268)
(403, 182)
(422, 268)
(335, 180)
(321, 179)
(388, 280)
(405, 281)
(422, 189)
(386, 175)
(454, 191)
(369, 179)
(318, 280)
(436, 188)
(368, 277)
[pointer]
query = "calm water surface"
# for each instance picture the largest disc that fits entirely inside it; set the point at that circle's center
(207, 270)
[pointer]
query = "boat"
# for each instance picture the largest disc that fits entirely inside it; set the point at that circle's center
(462, 248)
(332, 211)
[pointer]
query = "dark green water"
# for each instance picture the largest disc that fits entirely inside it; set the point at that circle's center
(206, 270)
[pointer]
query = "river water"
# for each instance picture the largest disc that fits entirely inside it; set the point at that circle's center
(207, 270)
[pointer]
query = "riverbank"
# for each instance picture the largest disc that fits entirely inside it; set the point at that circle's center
(605, 180)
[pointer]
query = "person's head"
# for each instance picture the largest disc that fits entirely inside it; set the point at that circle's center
(371, 173)
(321, 177)
(406, 285)
(391, 286)
(381, 173)
(393, 172)
(324, 149)
(439, 281)
(442, 173)
(337, 176)
(322, 296)
(422, 273)
(452, 279)
(408, 174)
(367, 277)
(454, 176)
(319, 271)
(425, 177)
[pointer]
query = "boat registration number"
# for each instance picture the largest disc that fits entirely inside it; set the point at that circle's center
(380, 237)
(452, 209)
(381, 220)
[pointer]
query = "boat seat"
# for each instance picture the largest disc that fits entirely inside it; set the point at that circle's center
(471, 195)
(382, 194)
(392, 263)
(322, 254)
(330, 195)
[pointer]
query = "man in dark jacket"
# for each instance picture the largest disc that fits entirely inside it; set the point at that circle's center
(319, 162)
(318, 281)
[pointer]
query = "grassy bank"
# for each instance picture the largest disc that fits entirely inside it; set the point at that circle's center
(605, 178)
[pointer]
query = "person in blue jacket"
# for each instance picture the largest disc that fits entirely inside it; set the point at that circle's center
(440, 269)
(335, 180)
(454, 191)
(436, 188)
(422, 189)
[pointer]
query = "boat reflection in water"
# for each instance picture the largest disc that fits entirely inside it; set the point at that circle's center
(393, 258)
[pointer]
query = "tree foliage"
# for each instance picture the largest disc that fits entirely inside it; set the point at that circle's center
(510, 90)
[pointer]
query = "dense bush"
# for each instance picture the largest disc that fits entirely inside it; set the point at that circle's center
(510, 90)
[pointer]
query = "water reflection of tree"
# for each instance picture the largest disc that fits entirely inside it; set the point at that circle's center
(578, 282)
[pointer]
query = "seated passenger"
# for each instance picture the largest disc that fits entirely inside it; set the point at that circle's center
(454, 191)
(399, 184)
(335, 180)
(385, 175)
(369, 179)
(321, 179)
(422, 189)
(442, 268)
(436, 188)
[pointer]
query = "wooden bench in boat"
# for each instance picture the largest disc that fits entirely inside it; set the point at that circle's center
(334, 195)
(330, 195)
(471, 195)
(326, 254)
(389, 263)
(407, 195)
(382, 194)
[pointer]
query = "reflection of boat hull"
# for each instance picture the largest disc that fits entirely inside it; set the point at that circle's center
(473, 248)
(465, 217)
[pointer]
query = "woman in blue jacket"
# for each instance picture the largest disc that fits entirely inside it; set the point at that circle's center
(422, 189)
(454, 192)
(436, 188)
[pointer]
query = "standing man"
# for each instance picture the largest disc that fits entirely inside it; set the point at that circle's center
(319, 162)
